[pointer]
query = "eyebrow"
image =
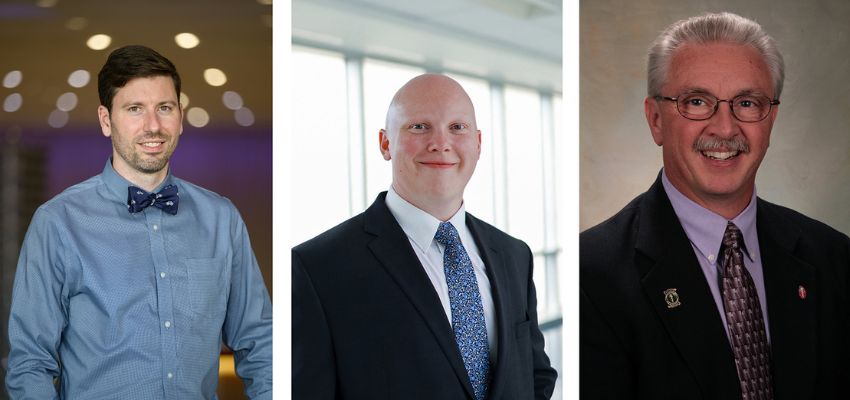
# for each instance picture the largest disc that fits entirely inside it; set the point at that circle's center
(743, 92)
(139, 103)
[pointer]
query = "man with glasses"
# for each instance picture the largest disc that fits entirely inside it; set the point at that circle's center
(698, 288)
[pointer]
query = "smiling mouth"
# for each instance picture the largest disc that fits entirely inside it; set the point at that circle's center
(720, 155)
(437, 164)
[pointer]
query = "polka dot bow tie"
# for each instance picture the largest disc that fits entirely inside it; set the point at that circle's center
(166, 199)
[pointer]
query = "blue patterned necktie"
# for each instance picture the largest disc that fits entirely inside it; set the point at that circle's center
(467, 311)
(166, 199)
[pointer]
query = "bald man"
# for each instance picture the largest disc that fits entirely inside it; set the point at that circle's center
(415, 298)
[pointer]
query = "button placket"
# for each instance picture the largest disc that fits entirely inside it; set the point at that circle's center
(165, 302)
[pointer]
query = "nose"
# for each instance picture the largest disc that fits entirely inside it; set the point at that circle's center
(723, 123)
(440, 140)
(151, 122)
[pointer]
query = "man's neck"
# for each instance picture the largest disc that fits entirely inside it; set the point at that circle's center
(146, 181)
(441, 209)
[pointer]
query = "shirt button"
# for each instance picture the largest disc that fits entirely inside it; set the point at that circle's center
(169, 375)
(711, 257)
(162, 274)
(168, 324)
(155, 227)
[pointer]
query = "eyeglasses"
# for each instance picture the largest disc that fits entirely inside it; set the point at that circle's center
(702, 106)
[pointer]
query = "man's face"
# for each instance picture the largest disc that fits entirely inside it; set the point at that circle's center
(432, 140)
(723, 70)
(145, 124)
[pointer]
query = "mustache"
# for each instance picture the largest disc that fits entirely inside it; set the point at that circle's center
(735, 143)
(154, 136)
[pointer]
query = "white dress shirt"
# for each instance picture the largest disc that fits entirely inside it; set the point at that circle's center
(420, 228)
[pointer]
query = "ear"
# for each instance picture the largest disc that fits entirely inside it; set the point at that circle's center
(478, 133)
(105, 123)
(384, 143)
(182, 113)
(652, 108)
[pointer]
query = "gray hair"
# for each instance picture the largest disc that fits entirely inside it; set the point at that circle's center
(711, 28)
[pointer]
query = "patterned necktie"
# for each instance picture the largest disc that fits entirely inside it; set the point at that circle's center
(467, 312)
(166, 199)
(745, 321)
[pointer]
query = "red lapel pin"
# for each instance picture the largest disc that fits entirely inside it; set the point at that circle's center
(802, 292)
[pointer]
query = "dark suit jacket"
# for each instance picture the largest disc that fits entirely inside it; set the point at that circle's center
(634, 346)
(367, 322)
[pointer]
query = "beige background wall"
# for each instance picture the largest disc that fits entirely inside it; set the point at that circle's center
(807, 166)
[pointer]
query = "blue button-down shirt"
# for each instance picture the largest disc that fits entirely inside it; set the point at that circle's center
(135, 306)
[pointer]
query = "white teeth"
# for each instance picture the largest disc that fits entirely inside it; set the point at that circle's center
(720, 155)
(152, 144)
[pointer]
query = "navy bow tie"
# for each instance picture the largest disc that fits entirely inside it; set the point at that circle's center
(166, 199)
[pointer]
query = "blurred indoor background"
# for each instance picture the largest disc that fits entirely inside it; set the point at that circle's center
(348, 59)
(50, 139)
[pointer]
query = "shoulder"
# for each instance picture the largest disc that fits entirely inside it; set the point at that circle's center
(200, 194)
(617, 230)
(495, 237)
(334, 240)
(79, 193)
(192, 195)
(774, 217)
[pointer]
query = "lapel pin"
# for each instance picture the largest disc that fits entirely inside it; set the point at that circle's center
(801, 290)
(672, 298)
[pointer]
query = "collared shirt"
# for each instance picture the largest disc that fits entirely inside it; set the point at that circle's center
(136, 306)
(420, 228)
(705, 230)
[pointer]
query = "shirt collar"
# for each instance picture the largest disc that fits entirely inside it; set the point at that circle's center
(705, 228)
(118, 185)
(417, 224)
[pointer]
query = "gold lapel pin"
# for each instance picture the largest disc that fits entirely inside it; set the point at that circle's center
(672, 298)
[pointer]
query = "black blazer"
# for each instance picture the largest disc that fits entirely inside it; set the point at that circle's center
(367, 322)
(632, 346)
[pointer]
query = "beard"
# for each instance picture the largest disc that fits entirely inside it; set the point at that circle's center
(143, 163)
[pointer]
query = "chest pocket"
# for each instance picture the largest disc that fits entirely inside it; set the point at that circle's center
(209, 286)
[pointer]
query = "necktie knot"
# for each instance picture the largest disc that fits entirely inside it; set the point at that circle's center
(447, 234)
(166, 199)
(732, 236)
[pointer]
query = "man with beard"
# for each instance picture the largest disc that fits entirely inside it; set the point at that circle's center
(128, 282)
(698, 288)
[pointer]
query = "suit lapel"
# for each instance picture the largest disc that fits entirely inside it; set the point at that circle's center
(667, 263)
(392, 248)
(792, 319)
(497, 274)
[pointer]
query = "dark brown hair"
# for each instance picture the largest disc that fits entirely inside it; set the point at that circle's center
(131, 62)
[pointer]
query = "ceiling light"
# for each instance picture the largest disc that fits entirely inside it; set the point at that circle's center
(12, 79)
(232, 100)
(184, 100)
(57, 118)
(79, 78)
(13, 102)
(244, 117)
(197, 117)
(186, 40)
(67, 101)
(99, 41)
(215, 77)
